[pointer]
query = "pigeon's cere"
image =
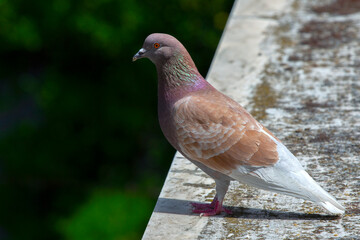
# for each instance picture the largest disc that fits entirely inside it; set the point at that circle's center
(218, 135)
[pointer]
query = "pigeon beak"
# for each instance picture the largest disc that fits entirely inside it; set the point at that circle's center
(139, 54)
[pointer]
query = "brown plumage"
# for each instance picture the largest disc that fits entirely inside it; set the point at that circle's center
(215, 131)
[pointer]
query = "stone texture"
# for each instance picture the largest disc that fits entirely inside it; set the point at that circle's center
(295, 66)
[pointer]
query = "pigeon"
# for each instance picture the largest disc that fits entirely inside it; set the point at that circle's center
(219, 136)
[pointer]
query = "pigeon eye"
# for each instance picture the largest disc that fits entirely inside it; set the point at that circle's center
(156, 45)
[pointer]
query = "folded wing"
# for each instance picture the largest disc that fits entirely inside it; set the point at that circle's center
(221, 134)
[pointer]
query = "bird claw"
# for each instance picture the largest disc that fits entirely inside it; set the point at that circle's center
(206, 209)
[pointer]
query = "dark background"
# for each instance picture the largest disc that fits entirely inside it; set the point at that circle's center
(81, 152)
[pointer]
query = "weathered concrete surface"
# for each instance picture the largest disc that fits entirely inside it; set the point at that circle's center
(295, 66)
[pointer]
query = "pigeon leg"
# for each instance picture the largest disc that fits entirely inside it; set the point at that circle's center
(210, 209)
(215, 207)
(202, 206)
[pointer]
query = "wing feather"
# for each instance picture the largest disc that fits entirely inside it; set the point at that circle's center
(221, 134)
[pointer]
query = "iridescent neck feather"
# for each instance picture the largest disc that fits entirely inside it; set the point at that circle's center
(178, 71)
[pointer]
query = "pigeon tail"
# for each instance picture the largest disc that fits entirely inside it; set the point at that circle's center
(320, 196)
(333, 208)
(288, 177)
(302, 186)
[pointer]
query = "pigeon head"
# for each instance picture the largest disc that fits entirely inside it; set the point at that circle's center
(159, 48)
(173, 63)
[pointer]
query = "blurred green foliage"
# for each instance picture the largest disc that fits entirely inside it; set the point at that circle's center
(81, 152)
(99, 218)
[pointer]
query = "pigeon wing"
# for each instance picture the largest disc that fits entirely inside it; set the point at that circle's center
(221, 134)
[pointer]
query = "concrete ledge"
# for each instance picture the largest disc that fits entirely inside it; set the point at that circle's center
(295, 66)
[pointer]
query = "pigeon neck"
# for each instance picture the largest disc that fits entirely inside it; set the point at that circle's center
(178, 71)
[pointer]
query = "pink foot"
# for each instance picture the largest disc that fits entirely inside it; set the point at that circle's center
(210, 209)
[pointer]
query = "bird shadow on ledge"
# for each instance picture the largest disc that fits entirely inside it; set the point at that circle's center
(183, 207)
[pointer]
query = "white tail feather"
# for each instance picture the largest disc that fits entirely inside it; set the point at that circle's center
(332, 208)
(305, 189)
(288, 177)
